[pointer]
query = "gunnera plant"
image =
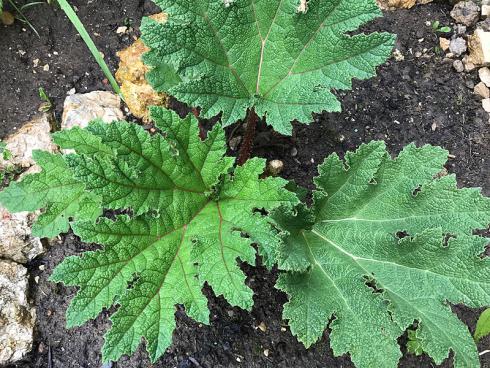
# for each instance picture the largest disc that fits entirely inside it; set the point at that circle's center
(387, 245)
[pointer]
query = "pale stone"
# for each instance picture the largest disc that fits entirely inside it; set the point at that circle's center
(482, 90)
(275, 167)
(397, 54)
(479, 47)
(486, 104)
(400, 4)
(16, 240)
(484, 74)
(80, 109)
(121, 30)
(34, 135)
(17, 317)
(444, 43)
(457, 46)
(466, 12)
(458, 66)
(485, 8)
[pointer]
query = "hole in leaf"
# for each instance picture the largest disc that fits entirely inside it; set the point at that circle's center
(132, 282)
(370, 282)
(416, 190)
(447, 237)
(402, 234)
(262, 211)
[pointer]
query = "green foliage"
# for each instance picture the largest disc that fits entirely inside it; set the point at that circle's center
(229, 56)
(4, 152)
(388, 242)
(386, 245)
(189, 217)
(47, 104)
(55, 190)
(436, 26)
(414, 344)
(482, 325)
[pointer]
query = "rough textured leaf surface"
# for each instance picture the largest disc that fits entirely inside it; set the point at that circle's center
(228, 56)
(54, 190)
(187, 214)
(387, 242)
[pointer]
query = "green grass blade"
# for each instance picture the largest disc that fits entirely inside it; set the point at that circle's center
(70, 13)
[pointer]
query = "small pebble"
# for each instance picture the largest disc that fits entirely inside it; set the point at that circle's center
(275, 167)
(458, 46)
(482, 90)
(458, 66)
(121, 30)
(262, 327)
(486, 104)
(484, 74)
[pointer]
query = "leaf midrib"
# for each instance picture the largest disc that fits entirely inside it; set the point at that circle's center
(358, 261)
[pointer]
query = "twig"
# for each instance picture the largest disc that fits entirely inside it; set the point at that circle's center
(484, 352)
(248, 139)
(50, 356)
(195, 362)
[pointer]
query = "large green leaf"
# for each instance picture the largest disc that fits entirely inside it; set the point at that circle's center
(228, 56)
(386, 243)
(189, 212)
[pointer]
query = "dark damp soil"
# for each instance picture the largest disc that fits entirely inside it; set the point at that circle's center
(420, 99)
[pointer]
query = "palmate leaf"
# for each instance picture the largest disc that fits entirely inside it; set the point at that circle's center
(228, 56)
(55, 190)
(189, 212)
(386, 243)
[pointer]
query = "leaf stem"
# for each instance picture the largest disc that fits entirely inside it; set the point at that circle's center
(248, 139)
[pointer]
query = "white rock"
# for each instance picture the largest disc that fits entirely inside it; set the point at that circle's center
(484, 74)
(80, 109)
(275, 167)
(458, 66)
(485, 8)
(121, 30)
(457, 46)
(482, 90)
(17, 317)
(486, 104)
(34, 135)
(16, 241)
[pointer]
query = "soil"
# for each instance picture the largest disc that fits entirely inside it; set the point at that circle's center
(420, 99)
